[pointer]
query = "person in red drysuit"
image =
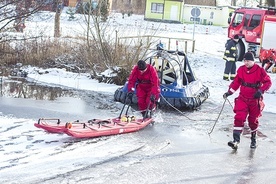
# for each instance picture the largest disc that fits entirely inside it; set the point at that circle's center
(267, 57)
(144, 78)
(253, 81)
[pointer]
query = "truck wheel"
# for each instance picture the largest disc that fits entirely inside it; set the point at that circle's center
(241, 50)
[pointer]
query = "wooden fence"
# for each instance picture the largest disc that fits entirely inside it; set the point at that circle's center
(168, 39)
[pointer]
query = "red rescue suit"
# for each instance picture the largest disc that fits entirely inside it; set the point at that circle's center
(267, 57)
(146, 84)
(249, 80)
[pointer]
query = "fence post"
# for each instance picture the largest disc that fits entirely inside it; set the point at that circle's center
(1, 86)
(186, 43)
(193, 48)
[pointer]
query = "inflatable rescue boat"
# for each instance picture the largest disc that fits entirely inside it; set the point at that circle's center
(179, 86)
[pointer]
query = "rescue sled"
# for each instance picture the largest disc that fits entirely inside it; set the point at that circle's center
(96, 127)
(50, 126)
(179, 86)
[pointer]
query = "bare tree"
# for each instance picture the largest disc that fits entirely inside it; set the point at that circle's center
(270, 3)
(57, 18)
(102, 49)
(261, 2)
(16, 11)
(25, 48)
(233, 2)
(246, 2)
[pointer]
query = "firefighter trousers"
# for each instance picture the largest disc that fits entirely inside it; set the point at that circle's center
(250, 109)
(143, 99)
(230, 70)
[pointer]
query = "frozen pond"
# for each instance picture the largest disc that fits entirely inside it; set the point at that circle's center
(176, 149)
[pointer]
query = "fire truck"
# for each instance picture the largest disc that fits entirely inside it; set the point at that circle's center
(249, 24)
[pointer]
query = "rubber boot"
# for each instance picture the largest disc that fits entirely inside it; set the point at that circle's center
(253, 140)
(234, 144)
(145, 114)
(225, 78)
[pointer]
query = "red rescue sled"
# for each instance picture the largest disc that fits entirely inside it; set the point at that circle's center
(95, 127)
(49, 126)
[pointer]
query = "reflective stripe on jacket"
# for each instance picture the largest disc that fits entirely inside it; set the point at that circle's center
(230, 53)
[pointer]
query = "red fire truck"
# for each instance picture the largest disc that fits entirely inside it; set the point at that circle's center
(248, 23)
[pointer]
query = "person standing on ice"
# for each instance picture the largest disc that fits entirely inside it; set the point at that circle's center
(230, 55)
(145, 79)
(253, 81)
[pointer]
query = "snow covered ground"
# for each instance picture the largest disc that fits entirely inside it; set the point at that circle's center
(25, 149)
(206, 61)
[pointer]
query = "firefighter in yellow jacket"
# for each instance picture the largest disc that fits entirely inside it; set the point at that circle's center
(230, 55)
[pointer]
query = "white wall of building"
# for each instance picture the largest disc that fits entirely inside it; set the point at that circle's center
(211, 15)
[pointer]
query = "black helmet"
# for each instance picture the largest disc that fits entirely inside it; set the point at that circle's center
(142, 65)
(248, 56)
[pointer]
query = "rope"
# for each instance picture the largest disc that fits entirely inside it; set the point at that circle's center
(217, 117)
(181, 111)
(230, 103)
(226, 99)
(220, 114)
(175, 108)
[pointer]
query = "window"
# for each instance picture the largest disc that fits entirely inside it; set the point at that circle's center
(157, 7)
(246, 20)
(255, 21)
(237, 19)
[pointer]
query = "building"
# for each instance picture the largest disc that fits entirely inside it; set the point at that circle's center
(72, 3)
(129, 6)
(139, 6)
(175, 11)
(207, 15)
(165, 11)
(201, 2)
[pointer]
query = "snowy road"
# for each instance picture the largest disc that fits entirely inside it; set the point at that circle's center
(176, 149)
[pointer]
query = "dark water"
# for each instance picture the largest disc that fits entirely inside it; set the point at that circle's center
(21, 88)
(25, 99)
